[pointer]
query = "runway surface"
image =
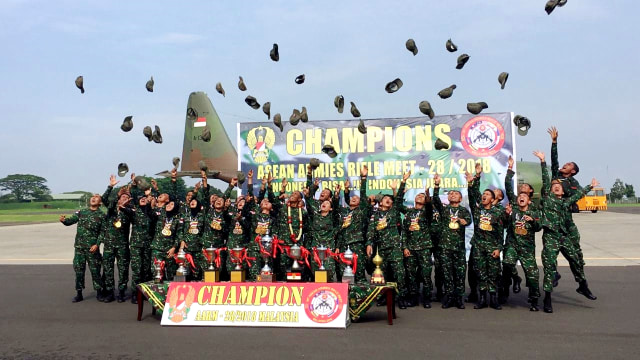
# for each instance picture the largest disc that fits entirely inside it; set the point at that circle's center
(39, 321)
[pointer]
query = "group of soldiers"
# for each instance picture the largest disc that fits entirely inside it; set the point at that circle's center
(143, 229)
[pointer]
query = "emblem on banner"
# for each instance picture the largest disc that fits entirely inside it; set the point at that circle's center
(324, 305)
(260, 140)
(180, 300)
(482, 136)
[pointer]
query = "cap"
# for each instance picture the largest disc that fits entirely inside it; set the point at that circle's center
(314, 163)
(393, 86)
(266, 108)
(476, 108)
(411, 46)
(175, 161)
(274, 54)
(147, 132)
(329, 150)
(462, 59)
(451, 47)
(127, 124)
(251, 101)
(300, 79)
(294, 119)
(80, 84)
(338, 102)
(304, 117)
(219, 89)
(361, 127)
(447, 92)
(241, 84)
(156, 136)
(203, 166)
(277, 121)
(123, 169)
(523, 124)
(502, 79)
(149, 85)
(441, 145)
(426, 109)
(354, 110)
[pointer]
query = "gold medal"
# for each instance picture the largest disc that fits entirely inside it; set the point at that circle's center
(382, 223)
(454, 225)
(485, 222)
(521, 231)
(347, 221)
(237, 229)
(166, 232)
(215, 224)
(193, 228)
(415, 226)
(117, 224)
(486, 227)
(262, 227)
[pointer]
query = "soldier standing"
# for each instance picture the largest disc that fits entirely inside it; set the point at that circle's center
(454, 219)
(140, 242)
(87, 245)
(323, 230)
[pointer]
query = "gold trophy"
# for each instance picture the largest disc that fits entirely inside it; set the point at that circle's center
(321, 275)
(237, 256)
(378, 277)
(211, 274)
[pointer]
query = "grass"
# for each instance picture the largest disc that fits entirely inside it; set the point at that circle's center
(40, 218)
(35, 212)
(64, 204)
(623, 205)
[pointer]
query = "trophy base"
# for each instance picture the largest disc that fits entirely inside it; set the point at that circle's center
(266, 278)
(294, 276)
(377, 279)
(321, 276)
(180, 278)
(348, 279)
(238, 276)
(212, 276)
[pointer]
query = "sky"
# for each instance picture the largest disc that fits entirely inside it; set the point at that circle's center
(576, 69)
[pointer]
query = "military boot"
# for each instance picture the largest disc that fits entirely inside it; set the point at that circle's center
(583, 289)
(446, 302)
(547, 302)
(413, 300)
(134, 296)
(78, 297)
(121, 297)
(482, 301)
(100, 295)
(473, 297)
(402, 304)
(493, 301)
(108, 296)
(556, 278)
(459, 302)
(516, 284)
(426, 301)
(534, 304)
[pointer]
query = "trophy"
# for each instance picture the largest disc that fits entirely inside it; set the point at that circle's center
(266, 274)
(347, 275)
(158, 267)
(183, 271)
(211, 274)
(321, 275)
(295, 274)
(378, 277)
(237, 256)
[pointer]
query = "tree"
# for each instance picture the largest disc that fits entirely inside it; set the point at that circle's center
(617, 190)
(628, 190)
(164, 186)
(26, 187)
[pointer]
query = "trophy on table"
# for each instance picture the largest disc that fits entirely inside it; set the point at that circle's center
(238, 255)
(158, 267)
(183, 271)
(266, 273)
(212, 274)
(321, 275)
(378, 277)
(295, 273)
(347, 275)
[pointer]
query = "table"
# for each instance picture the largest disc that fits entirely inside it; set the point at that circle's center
(361, 298)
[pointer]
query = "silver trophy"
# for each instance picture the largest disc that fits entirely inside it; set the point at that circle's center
(322, 255)
(295, 253)
(211, 258)
(157, 278)
(347, 276)
(267, 246)
(183, 271)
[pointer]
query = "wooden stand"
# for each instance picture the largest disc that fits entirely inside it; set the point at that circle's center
(212, 276)
(266, 277)
(238, 276)
(321, 276)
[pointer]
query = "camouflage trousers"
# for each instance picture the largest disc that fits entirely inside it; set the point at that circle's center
(140, 265)
(82, 257)
(487, 269)
(454, 266)
(527, 258)
(418, 268)
(554, 243)
(201, 263)
(437, 269)
(472, 275)
(170, 265)
(110, 255)
(574, 238)
(359, 249)
(393, 268)
(252, 270)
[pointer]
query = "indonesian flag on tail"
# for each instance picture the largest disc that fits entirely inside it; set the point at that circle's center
(201, 122)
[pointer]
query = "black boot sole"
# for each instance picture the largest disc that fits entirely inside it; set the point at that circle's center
(76, 299)
(585, 294)
(548, 310)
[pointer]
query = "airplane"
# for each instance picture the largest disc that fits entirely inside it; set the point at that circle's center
(218, 154)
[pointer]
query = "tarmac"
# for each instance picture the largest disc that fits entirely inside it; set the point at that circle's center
(39, 320)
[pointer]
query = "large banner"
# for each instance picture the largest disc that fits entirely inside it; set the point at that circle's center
(257, 304)
(389, 148)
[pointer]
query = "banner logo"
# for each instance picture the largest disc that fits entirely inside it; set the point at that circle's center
(260, 141)
(180, 300)
(323, 305)
(482, 136)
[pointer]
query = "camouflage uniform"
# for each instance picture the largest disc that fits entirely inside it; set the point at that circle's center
(167, 227)
(352, 229)
(90, 224)
(384, 233)
(555, 238)
(435, 231)
(259, 225)
(116, 243)
(487, 237)
(322, 230)
(416, 237)
(140, 244)
(216, 229)
(240, 236)
(452, 245)
(191, 233)
(570, 186)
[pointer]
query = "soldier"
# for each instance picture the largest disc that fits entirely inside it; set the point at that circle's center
(487, 240)
(168, 224)
(323, 228)
(384, 233)
(191, 232)
(505, 282)
(216, 224)
(454, 219)
(570, 186)
(416, 238)
(555, 237)
(523, 223)
(435, 231)
(116, 241)
(241, 228)
(140, 242)
(87, 246)
(352, 229)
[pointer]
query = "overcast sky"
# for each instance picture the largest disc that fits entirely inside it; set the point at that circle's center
(576, 69)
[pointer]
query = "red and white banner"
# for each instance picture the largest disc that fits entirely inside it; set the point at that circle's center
(322, 305)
